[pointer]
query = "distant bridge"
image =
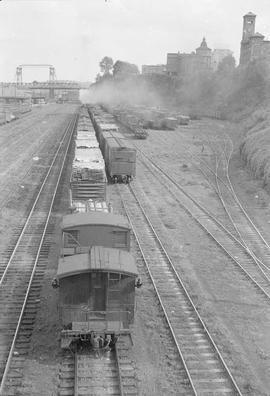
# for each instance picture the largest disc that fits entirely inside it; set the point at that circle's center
(19, 69)
(56, 84)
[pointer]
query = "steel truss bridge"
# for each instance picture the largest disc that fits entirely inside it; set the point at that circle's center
(52, 84)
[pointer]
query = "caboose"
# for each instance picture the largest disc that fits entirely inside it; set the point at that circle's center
(97, 293)
(84, 230)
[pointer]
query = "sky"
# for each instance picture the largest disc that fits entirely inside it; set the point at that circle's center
(74, 35)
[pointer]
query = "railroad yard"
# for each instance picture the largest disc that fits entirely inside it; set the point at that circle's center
(204, 325)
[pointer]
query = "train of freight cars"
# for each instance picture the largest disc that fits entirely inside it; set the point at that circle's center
(118, 153)
(96, 272)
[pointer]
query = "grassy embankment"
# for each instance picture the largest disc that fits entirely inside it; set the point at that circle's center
(238, 94)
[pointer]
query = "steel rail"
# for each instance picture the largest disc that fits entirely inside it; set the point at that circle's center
(213, 218)
(34, 205)
(218, 161)
(71, 126)
(232, 191)
(19, 181)
(243, 209)
(157, 292)
(175, 272)
(121, 388)
(257, 260)
(217, 190)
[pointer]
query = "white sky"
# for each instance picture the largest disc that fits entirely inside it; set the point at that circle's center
(74, 35)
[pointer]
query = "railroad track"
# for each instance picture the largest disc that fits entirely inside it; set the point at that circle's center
(12, 181)
(231, 213)
(244, 226)
(232, 247)
(204, 367)
(21, 275)
(109, 373)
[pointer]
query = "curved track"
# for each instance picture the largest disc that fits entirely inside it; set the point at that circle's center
(231, 245)
(19, 279)
(204, 367)
(244, 226)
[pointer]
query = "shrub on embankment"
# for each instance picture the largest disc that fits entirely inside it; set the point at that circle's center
(255, 147)
(255, 119)
(239, 94)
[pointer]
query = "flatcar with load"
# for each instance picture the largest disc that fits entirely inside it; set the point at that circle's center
(89, 205)
(88, 177)
(97, 293)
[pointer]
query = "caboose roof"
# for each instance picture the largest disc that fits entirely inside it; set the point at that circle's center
(98, 259)
(93, 218)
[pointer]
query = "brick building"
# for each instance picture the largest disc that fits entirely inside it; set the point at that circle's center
(253, 44)
(181, 64)
(153, 69)
(218, 55)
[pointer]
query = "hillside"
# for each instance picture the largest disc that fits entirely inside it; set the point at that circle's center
(237, 94)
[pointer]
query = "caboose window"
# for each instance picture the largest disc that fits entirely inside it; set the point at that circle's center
(113, 275)
(120, 239)
(114, 280)
(72, 237)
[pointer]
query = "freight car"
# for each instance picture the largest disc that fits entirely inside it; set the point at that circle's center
(80, 231)
(96, 273)
(120, 160)
(88, 177)
(97, 293)
(119, 155)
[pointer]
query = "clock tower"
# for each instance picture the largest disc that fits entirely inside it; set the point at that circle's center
(248, 32)
(248, 26)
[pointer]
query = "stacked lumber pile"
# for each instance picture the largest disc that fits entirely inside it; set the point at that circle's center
(88, 177)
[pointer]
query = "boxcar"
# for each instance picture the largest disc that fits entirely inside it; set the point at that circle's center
(102, 127)
(83, 230)
(120, 159)
(104, 135)
(97, 293)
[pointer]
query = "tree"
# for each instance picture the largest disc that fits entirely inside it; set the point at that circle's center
(227, 65)
(106, 64)
(125, 69)
(98, 77)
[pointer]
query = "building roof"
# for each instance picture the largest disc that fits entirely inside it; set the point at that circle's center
(203, 46)
(90, 218)
(250, 14)
(258, 35)
(98, 259)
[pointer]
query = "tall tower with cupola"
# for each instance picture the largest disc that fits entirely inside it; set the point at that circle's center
(248, 32)
(248, 26)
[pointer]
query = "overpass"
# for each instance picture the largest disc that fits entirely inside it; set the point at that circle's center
(51, 85)
(19, 69)
(56, 84)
